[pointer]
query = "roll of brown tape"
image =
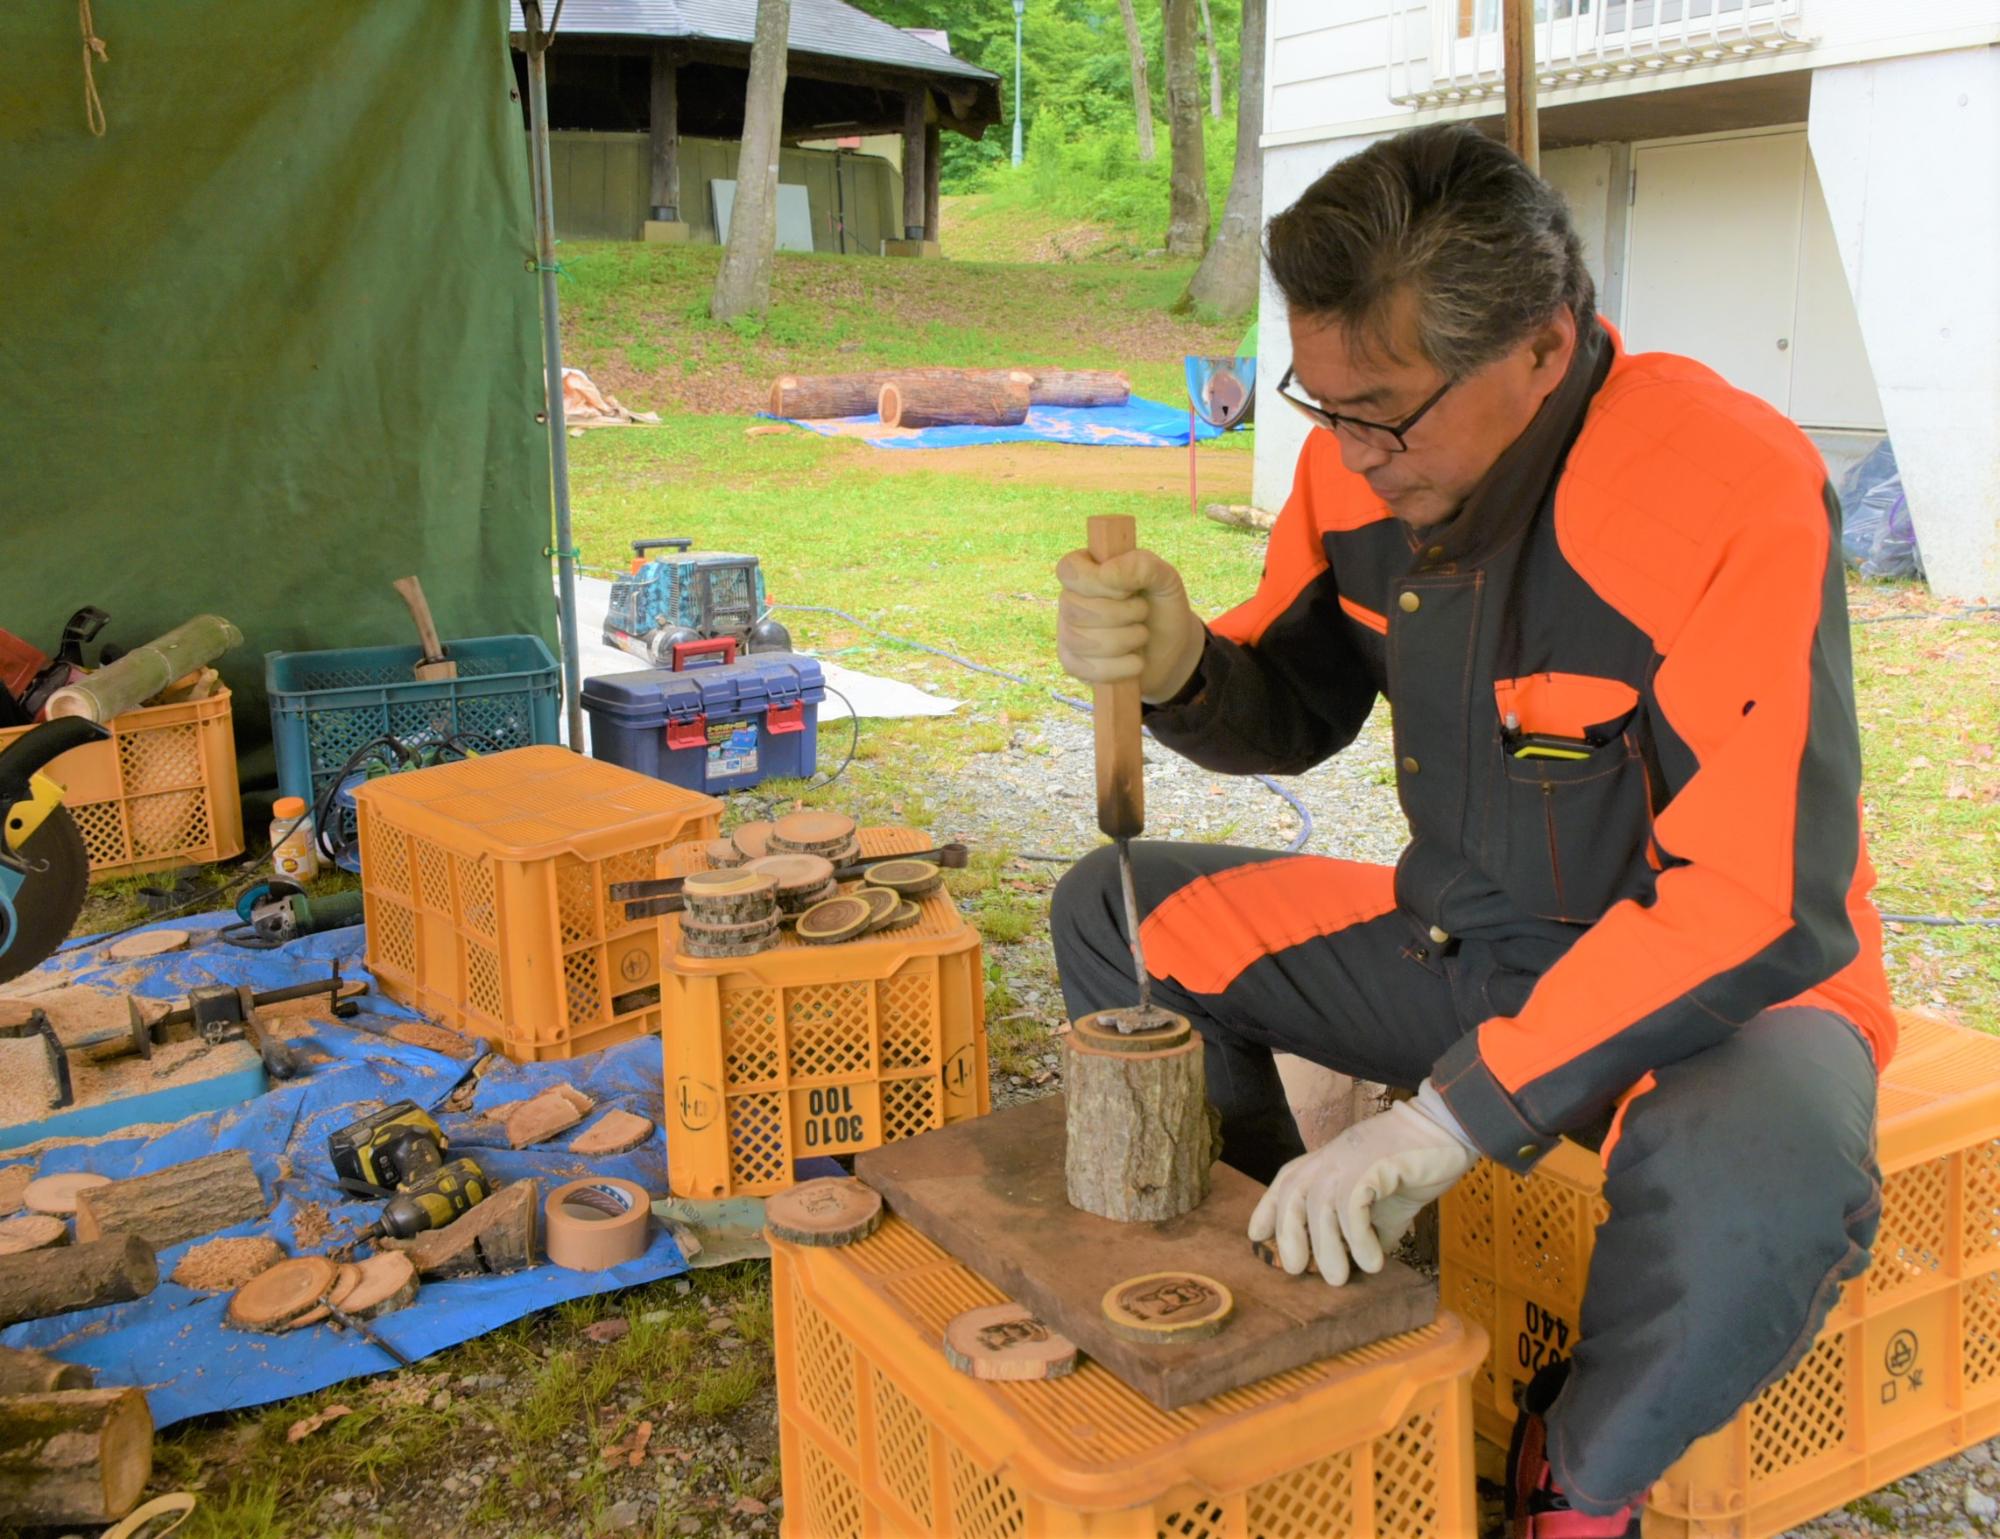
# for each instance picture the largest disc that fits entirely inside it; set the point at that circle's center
(597, 1223)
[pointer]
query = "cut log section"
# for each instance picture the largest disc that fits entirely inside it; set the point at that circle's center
(31, 1231)
(1003, 1342)
(39, 1283)
(834, 921)
(73, 1455)
(58, 1194)
(177, 1203)
(1078, 387)
(921, 403)
(1140, 1135)
(497, 1236)
(833, 1210)
(31, 1373)
(278, 1299)
(812, 396)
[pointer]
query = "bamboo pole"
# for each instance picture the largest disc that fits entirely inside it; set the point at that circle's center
(1517, 51)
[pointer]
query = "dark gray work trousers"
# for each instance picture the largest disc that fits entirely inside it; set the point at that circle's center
(1743, 1187)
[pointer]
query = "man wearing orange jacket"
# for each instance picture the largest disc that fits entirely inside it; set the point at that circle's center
(1602, 594)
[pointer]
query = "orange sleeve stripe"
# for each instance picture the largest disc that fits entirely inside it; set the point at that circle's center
(1212, 930)
(1376, 623)
(1648, 1082)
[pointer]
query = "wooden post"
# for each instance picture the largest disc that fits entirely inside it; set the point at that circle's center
(931, 172)
(666, 136)
(913, 165)
(1517, 51)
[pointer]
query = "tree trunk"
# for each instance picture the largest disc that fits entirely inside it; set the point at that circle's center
(73, 1456)
(175, 1204)
(812, 396)
(40, 1283)
(1187, 224)
(1214, 63)
(1078, 387)
(1226, 281)
(1140, 1139)
(743, 285)
(30, 1373)
(1142, 90)
(991, 401)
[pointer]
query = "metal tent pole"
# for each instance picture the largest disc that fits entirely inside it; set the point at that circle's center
(545, 251)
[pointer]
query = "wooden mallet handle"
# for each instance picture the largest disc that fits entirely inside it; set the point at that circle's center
(1121, 788)
(420, 611)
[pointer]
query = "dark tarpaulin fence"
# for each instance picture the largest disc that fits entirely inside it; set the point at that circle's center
(272, 340)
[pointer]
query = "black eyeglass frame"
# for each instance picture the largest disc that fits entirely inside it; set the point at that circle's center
(1333, 421)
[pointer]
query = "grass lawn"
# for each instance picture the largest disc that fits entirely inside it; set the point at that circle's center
(955, 551)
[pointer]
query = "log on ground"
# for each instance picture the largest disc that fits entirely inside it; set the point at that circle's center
(175, 1204)
(39, 1283)
(812, 396)
(1078, 387)
(997, 401)
(73, 1455)
(32, 1373)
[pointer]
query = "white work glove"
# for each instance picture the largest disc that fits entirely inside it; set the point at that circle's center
(1128, 618)
(1358, 1195)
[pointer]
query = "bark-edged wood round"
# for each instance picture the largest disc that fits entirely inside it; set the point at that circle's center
(31, 1231)
(908, 878)
(833, 1210)
(906, 913)
(274, 1300)
(1161, 1307)
(882, 904)
(744, 940)
(343, 1284)
(1101, 1032)
(1002, 1342)
(147, 943)
(835, 920)
(724, 853)
(741, 896)
(753, 839)
(387, 1281)
(812, 833)
(57, 1194)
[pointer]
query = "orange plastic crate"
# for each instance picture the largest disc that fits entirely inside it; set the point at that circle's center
(160, 792)
(880, 1436)
(809, 1050)
(484, 883)
(1907, 1369)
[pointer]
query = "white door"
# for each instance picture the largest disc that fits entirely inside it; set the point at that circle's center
(1714, 262)
(1731, 259)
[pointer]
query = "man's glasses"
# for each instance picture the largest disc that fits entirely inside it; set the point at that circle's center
(1389, 437)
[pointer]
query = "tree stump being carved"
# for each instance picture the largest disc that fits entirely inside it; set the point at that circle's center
(1141, 1136)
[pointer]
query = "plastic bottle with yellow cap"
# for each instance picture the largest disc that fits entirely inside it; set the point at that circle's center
(294, 850)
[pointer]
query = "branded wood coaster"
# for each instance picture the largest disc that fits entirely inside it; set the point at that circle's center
(882, 903)
(274, 1300)
(723, 854)
(753, 839)
(1167, 1306)
(1156, 1033)
(835, 920)
(910, 878)
(813, 833)
(834, 1210)
(1006, 1341)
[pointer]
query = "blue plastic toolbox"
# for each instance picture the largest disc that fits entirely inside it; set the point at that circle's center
(326, 705)
(711, 729)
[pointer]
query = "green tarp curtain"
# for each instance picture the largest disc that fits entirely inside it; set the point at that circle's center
(272, 340)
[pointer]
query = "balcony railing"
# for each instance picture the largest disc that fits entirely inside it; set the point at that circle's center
(1442, 52)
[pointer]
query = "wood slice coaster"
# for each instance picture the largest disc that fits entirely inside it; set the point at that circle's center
(910, 878)
(1100, 1031)
(387, 1282)
(753, 839)
(274, 1300)
(732, 940)
(834, 1210)
(343, 1284)
(148, 943)
(1007, 1342)
(835, 920)
(813, 833)
(31, 1231)
(801, 880)
(1162, 1307)
(57, 1194)
(906, 914)
(723, 854)
(729, 897)
(883, 904)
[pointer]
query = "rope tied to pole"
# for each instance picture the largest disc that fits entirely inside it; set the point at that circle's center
(93, 49)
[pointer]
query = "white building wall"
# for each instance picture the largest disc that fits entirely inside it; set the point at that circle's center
(1908, 151)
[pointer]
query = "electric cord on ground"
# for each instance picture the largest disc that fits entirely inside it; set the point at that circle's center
(1305, 817)
(1930, 614)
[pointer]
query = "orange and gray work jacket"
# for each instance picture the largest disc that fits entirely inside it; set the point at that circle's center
(1624, 724)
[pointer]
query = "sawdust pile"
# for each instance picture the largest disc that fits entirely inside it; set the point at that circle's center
(14, 1181)
(223, 1264)
(436, 1038)
(310, 1226)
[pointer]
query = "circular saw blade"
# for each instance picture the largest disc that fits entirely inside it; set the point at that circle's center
(45, 907)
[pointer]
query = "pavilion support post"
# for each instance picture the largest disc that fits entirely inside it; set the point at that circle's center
(919, 142)
(663, 220)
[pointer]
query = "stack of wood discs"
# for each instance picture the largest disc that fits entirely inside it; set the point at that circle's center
(802, 880)
(830, 835)
(729, 913)
(724, 854)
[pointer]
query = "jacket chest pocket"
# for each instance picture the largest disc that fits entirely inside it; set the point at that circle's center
(1575, 831)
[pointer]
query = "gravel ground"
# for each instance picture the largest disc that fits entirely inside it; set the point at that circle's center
(1038, 797)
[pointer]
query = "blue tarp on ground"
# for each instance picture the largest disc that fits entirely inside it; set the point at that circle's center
(172, 1342)
(1139, 423)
